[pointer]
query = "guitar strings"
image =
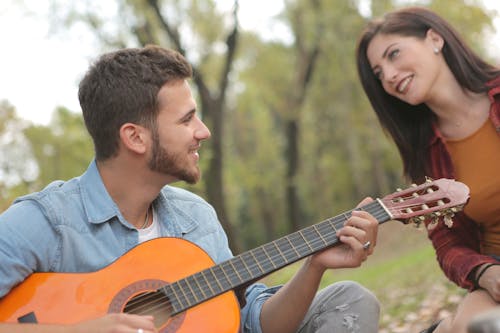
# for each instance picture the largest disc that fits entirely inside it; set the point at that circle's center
(146, 297)
(144, 300)
(158, 300)
(189, 294)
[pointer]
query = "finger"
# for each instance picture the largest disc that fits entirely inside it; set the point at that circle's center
(357, 248)
(355, 232)
(365, 201)
(362, 220)
(138, 322)
(366, 222)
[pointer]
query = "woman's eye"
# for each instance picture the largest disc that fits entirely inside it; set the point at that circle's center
(378, 75)
(393, 54)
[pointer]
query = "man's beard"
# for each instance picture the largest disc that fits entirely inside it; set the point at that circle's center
(164, 162)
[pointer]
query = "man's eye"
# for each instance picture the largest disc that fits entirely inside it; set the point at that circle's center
(187, 119)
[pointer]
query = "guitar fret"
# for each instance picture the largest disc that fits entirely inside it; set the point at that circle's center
(254, 268)
(292, 246)
(301, 248)
(215, 279)
(228, 270)
(328, 232)
(170, 293)
(261, 270)
(273, 252)
(305, 240)
(332, 223)
(309, 237)
(283, 250)
(235, 270)
(207, 282)
(241, 269)
(192, 288)
(315, 227)
(186, 291)
(246, 267)
(221, 277)
(267, 255)
(179, 293)
(199, 286)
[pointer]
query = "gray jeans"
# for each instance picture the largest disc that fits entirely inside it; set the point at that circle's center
(343, 307)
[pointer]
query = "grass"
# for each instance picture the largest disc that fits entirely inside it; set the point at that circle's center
(404, 275)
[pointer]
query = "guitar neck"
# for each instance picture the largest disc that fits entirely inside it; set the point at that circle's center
(261, 261)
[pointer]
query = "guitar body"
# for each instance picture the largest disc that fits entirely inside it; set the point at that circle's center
(66, 298)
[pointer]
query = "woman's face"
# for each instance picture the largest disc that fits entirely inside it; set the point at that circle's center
(408, 67)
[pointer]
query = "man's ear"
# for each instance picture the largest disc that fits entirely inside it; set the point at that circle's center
(134, 137)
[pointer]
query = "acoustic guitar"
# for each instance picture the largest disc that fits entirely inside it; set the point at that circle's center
(186, 292)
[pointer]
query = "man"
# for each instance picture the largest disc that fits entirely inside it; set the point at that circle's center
(139, 110)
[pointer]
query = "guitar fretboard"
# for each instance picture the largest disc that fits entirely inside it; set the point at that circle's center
(261, 261)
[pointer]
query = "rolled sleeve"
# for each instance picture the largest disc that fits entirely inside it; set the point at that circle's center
(255, 296)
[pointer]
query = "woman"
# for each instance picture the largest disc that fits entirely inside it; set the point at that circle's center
(440, 103)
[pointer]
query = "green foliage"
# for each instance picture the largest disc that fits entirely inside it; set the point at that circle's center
(343, 153)
(62, 149)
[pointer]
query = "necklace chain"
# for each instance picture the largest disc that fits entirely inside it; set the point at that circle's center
(146, 220)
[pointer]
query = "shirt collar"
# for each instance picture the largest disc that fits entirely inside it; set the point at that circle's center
(100, 207)
(98, 204)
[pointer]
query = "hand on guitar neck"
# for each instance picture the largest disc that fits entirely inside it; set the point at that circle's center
(285, 310)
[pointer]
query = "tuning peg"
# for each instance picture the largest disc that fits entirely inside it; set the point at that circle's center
(398, 190)
(424, 206)
(440, 203)
(428, 179)
(448, 220)
(430, 190)
(432, 224)
(417, 223)
(414, 185)
(415, 194)
(409, 210)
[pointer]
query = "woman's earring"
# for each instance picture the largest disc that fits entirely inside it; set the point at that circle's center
(436, 50)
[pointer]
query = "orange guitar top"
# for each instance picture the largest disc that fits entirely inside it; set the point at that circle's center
(120, 287)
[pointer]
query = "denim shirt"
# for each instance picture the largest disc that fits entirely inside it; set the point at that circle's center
(75, 226)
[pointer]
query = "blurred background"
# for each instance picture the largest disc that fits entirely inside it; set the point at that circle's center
(294, 139)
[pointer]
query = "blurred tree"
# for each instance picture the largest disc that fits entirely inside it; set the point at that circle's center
(62, 149)
(18, 168)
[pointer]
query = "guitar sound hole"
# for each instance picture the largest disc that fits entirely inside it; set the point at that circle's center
(144, 298)
(150, 303)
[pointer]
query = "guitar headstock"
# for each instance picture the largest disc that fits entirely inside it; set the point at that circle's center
(434, 199)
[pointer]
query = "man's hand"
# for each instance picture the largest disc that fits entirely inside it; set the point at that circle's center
(359, 229)
(118, 323)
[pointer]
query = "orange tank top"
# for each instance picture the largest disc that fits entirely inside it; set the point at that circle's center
(476, 160)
